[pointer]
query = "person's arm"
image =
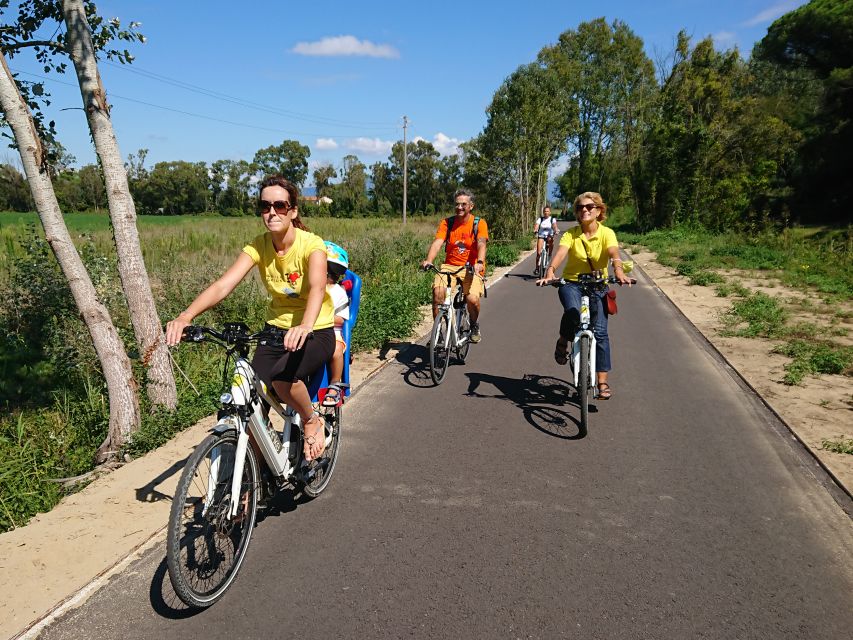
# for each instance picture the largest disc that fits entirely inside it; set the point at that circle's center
(618, 273)
(295, 337)
(480, 265)
(434, 248)
(556, 261)
(210, 297)
(536, 225)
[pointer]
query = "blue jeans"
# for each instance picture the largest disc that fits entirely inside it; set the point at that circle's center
(570, 297)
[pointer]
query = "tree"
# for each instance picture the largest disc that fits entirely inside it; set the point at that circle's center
(175, 188)
(381, 191)
(350, 196)
(124, 406)
(14, 193)
(817, 40)
(323, 175)
(131, 264)
(607, 83)
(289, 159)
(229, 186)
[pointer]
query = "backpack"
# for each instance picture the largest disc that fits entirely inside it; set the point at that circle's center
(450, 228)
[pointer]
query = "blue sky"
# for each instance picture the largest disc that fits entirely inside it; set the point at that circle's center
(222, 79)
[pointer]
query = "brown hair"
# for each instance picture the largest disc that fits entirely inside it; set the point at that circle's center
(292, 192)
(597, 199)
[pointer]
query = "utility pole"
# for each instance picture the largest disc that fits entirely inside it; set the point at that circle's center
(405, 167)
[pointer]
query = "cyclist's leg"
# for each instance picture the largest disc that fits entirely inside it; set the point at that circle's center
(438, 291)
(473, 288)
(570, 298)
(539, 242)
(598, 317)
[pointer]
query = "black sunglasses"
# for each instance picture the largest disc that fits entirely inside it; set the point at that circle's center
(280, 206)
(588, 207)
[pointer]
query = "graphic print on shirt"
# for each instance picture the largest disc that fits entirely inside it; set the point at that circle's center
(292, 279)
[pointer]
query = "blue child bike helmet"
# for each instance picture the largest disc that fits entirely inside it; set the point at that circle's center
(337, 259)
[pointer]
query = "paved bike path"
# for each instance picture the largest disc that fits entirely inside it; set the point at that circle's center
(472, 509)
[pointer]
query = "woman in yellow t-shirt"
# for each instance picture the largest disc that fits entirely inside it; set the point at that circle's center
(292, 265)
(589, 246)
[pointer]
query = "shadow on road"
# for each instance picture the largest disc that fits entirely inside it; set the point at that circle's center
(416, 361)
(539, 398)
(149, 493)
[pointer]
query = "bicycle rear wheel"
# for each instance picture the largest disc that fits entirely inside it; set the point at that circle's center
(463, 328)
(439, 354)
(323, 467)
(583, 383)
(205, 547)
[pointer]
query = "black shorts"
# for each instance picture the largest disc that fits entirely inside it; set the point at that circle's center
(272, 362)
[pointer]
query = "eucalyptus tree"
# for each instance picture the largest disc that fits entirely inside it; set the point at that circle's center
(609, 86)
(323, 175)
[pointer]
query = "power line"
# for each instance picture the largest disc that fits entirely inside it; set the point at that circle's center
(240, 101)
(199, 115)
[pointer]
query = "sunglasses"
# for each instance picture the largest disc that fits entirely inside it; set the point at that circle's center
(463, 205)
(588, 207)
(280, 206)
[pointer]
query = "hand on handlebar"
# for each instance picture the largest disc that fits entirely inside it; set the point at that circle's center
(175, 330)
(426, 264)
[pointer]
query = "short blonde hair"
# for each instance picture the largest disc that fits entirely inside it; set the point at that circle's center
(597, 200)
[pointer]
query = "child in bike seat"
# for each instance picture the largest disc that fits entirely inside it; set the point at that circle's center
(337, 262)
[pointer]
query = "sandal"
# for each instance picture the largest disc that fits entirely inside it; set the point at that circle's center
(316, 439)
(333, 395)
(561, 352)
(604, 392)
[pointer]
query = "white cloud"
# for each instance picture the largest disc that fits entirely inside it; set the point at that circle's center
(725, 39)
(559, 167)
(370, 146)
(771, 13)
(325, 143)
(345, 46)
(446, 145)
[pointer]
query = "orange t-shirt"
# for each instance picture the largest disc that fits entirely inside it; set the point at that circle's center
(461, 247)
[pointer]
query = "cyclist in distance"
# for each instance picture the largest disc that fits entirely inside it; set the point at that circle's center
(292, 265)
(589, 247)
(545, 229)
(466, 237)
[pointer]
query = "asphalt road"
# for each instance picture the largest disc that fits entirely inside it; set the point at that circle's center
(474, 510)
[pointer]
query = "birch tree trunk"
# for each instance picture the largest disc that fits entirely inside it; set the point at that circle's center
(131, 265)
(121, 385)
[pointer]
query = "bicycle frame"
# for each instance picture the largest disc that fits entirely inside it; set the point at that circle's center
(454, 317)
(583, 330)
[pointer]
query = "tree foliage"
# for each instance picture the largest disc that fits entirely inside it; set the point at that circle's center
(290, 159)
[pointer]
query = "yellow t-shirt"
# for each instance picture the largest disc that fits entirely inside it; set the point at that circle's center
(285, 279)
(596, 249)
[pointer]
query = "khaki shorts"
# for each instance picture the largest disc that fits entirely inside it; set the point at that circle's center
(472, 284)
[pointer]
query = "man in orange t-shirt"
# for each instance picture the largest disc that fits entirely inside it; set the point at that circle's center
(464, 246)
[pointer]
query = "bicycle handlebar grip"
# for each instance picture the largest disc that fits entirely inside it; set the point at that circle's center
(192, 333)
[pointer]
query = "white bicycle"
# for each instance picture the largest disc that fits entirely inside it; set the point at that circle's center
(216, 502)
(582, 356)
(451, 329)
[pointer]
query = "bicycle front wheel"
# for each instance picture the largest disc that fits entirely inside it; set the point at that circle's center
(324, 466)
(583, 383)
(439, 353)
(205, 545)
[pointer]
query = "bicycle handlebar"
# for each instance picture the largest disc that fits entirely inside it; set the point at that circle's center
(586, 281)
(233, 333)
(432, 267)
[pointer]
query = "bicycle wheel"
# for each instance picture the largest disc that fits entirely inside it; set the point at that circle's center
(323, 467)
(463, 327)
(543, 260)
(583, 383)
(439, 354)
(205, 547)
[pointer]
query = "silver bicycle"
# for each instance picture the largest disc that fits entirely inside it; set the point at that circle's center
(216, 502)
(451, 330)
